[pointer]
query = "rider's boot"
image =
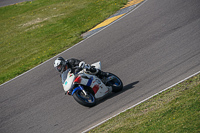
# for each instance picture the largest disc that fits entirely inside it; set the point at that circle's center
(102, 74)
(98, 72)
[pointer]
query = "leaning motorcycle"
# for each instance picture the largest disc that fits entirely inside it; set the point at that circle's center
(87, 88)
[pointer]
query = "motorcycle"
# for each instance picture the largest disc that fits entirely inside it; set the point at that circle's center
(87, 88)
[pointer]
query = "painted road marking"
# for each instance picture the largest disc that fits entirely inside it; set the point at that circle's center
(128, 7)
(140, 102)
(107, 22)
(133, 2)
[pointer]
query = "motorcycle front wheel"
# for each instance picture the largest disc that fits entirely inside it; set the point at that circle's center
(85, 100)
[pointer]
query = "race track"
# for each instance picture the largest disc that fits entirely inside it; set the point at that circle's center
(153, 47)
(10, 2)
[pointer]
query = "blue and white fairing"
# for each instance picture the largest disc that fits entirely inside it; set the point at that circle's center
(67, 80)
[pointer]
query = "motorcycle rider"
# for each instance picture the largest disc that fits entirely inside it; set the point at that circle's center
(76, 65)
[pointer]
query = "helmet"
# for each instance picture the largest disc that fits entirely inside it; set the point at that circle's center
(60, 64)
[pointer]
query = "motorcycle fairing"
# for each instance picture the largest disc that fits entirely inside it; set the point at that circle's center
(90, 81)
(67, 80)
(98, 87)
(97, 65)
(78, 79)
(94, 82)
(87, 82)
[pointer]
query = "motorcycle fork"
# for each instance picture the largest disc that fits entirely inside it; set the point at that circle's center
(83, 90)
(79, 88)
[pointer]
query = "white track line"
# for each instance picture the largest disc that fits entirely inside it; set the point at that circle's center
(141, 102)
(73, 45)
(42, 63)
(88, 38)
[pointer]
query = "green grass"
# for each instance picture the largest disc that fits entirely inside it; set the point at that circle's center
(32, 32)
(176, 110)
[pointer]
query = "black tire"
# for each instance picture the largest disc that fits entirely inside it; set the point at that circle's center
(116, 83)
(88, 101)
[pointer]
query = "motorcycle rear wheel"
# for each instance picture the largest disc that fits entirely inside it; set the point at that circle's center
(116, 83)
(85, 100)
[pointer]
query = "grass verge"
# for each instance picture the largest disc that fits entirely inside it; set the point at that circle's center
(32, 32)
(175, 110)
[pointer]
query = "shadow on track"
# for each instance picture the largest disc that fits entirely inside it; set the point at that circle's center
(111, 95)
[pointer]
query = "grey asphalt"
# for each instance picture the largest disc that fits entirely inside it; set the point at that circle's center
(150, 49)
(10, 2)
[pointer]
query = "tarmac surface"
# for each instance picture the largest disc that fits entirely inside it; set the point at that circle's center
(10, 2)
(150, 49)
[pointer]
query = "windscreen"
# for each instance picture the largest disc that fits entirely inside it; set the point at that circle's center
(64, 75)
